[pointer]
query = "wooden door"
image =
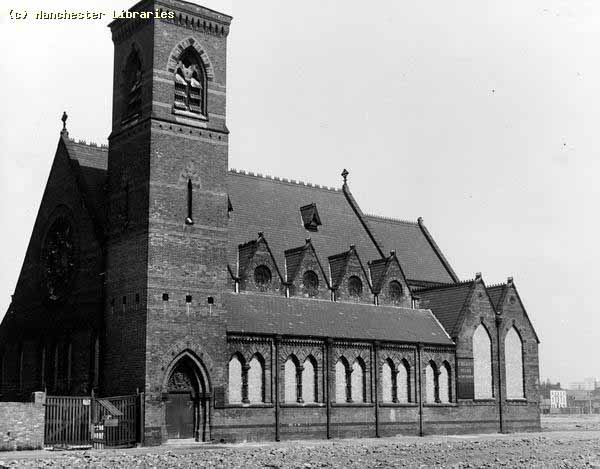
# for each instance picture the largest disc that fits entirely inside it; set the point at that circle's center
(181, 412)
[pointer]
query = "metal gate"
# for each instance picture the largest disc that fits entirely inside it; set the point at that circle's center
(67, 422)
(115, 422)
(108, 422)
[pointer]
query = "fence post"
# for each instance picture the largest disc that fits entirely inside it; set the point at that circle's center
(142, 418)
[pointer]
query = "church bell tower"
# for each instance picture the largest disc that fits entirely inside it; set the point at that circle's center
(168, 150)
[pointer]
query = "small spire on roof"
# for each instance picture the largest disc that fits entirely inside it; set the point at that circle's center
(392, 253)
(64, 121)
(509, 281)
(308, 241)
(345, 173)
(478, 276)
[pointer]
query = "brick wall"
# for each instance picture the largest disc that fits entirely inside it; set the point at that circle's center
(22, 425)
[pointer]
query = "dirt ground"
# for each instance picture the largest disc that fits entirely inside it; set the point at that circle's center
(565, 442)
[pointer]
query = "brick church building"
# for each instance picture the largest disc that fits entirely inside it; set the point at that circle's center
(244, 306)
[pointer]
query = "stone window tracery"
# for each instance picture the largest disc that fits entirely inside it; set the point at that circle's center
(355, 287)
(262, 277)
(190, 83)
(310, 281)
(395, 291)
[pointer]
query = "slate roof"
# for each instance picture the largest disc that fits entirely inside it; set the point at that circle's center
(419, 256)
(272, 206)
(447, 303)
(267, 314)
(496, 293)
(90, 163)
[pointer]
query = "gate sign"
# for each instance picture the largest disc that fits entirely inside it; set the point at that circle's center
(109, 421)
(86, 402)
(465, 380)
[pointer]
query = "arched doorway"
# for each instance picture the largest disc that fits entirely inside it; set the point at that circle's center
(186, 412)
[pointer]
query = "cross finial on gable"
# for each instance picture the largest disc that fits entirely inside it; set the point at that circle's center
(345, 173)
(64, 121)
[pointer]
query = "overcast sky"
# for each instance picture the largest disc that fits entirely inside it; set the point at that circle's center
(479, 115)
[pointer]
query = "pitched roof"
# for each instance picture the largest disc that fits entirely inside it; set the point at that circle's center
(267, 314)
(498, 294)
(90, 163)
(447, 303)
(272, 206)
(416, 250)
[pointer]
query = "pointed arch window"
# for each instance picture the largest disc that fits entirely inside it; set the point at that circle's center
(132, 85)
(444, 384)
(2, 365)
(190, 83)
(343, 386)
(388, 381)
(403, 382)
(309, 381)
(235, 380)
(431, 383)
(482, 363)
(256, 380)
(359, 391)
(513, 351)
(291, 381)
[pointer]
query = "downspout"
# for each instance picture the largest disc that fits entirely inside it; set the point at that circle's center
(499, 320)
(376, 379)
(328, 385)
(277, 436)
(420, 395)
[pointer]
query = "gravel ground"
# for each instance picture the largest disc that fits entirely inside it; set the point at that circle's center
(563, 449)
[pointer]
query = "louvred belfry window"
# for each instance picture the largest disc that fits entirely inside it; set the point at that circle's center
(133, 85)
(190, 83)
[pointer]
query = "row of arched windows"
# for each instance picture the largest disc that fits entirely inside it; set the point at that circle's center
(247, 381)
(300, 381)
(482, 364)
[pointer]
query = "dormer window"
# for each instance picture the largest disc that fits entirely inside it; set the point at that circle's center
(310, 217)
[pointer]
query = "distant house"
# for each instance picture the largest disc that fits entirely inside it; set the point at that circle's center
(558, 399)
